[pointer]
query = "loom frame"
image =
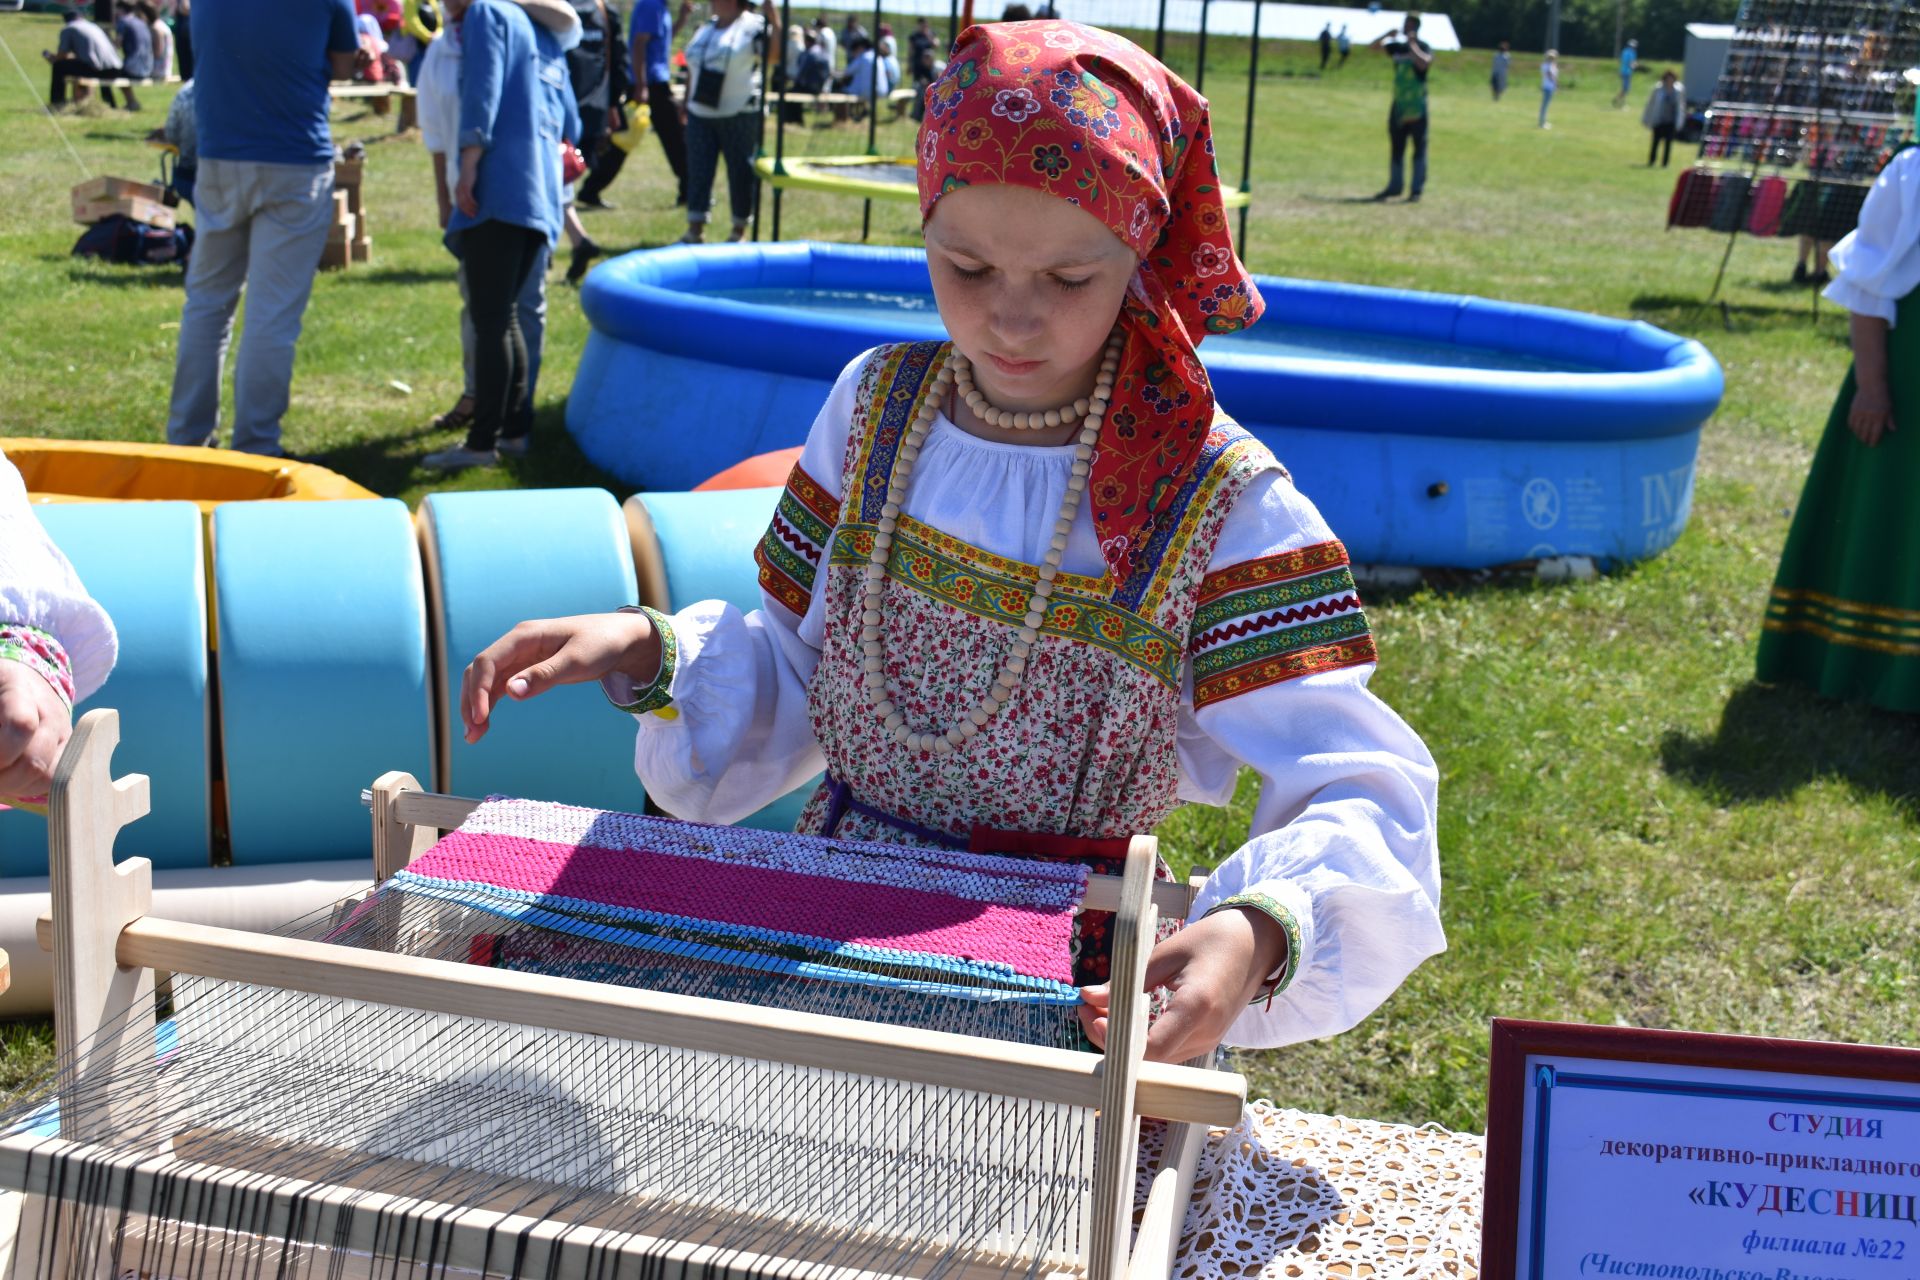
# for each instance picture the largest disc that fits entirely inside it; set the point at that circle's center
(108, 949)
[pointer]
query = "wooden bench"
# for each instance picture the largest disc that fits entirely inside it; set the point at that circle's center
(85, 85)
(845, 106)
(380, 95)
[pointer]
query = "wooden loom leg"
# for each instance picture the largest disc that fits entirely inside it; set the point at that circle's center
(1168, 1198)
(1117, 1148)
(1163, 1219)
(395, 843)
(102, 1014)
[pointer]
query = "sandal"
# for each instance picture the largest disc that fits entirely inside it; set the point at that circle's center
(459, 417)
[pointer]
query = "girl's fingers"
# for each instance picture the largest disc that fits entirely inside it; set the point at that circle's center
(1095, 1025)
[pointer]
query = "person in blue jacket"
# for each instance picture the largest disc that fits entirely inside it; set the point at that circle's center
(516, 107)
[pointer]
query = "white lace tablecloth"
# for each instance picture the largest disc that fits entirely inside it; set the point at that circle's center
(1287, 1194)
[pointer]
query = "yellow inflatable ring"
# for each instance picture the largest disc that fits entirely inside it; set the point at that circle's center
(113, 471)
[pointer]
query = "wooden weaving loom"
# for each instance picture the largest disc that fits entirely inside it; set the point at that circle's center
(113, 1174)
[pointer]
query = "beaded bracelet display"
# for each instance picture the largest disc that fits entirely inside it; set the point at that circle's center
(656, 695)
(1271, 907)
(41, 651)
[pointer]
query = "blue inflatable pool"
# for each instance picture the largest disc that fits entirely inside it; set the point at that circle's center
(1430, 429)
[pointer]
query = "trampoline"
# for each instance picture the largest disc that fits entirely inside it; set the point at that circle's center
(1431, 429)
(872, 177)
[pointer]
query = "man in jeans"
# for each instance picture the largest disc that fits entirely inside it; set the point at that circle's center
(265, 199)
(84, 51)
(1407, 117)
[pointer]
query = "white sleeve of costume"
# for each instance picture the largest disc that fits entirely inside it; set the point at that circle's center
(1878, 262)
(1343, 835)
(38, 588)
(732, 732)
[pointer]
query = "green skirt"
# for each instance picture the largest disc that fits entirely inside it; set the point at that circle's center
(1844, 616)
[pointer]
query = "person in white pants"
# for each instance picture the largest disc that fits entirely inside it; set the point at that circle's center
(265, 199)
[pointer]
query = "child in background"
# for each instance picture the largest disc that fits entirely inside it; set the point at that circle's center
(1549, 81)
(1028, 590)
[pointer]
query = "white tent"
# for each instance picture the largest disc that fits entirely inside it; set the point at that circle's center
(1707, 45)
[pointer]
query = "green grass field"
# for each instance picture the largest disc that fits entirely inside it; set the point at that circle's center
(1633, 831)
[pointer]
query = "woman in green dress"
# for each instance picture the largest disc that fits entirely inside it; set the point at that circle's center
(1844, 616)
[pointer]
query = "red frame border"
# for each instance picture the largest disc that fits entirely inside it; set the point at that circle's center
(1513, 1040)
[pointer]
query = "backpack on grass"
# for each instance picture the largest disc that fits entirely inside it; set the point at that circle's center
(118, 238)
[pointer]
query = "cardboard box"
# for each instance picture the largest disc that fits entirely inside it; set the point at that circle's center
(97, 189)
(140, 209)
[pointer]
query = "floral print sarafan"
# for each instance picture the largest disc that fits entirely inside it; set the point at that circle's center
(1088, 116)
(1087, 747)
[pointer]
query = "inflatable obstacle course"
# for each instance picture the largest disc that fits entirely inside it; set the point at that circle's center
(276, 657)
(108, 470)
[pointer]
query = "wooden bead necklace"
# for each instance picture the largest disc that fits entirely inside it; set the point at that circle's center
(957, 373)
(994, 416)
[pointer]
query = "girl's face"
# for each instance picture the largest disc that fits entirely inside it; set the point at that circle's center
(1029, 287)
(726, 10)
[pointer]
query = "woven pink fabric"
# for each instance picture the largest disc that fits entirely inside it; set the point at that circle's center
(988, 910)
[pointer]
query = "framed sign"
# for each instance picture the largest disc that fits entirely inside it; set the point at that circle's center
(1615, 1151)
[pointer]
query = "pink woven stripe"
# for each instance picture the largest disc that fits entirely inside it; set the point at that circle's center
(1036, 943)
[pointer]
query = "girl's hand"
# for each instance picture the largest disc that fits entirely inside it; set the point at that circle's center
(1871, 415)
(537, 655)
(34, 727)
(1211, 970)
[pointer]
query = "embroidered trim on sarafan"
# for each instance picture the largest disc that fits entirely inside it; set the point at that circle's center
(959, 574)
(1858, 624)
(796, 538)
(904, 372)
(1230, 450)
(1276, 618)
(973, 925)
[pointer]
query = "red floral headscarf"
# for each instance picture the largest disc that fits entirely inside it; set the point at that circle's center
(1082, 114)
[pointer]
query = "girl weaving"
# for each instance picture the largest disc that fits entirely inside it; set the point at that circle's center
(1028, 590)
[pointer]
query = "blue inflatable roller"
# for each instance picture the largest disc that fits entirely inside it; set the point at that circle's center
(144, 563)
(499, 558)
(324, 680)
(689, 547)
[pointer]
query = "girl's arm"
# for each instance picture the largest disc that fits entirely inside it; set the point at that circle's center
(56, 645)
(1870, 417)
(39, 589)
(724, 727)
(719, 695)
(1342, 853)
(1875, 266)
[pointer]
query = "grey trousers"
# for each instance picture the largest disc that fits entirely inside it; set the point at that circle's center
(262, 227)
(533, 322)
